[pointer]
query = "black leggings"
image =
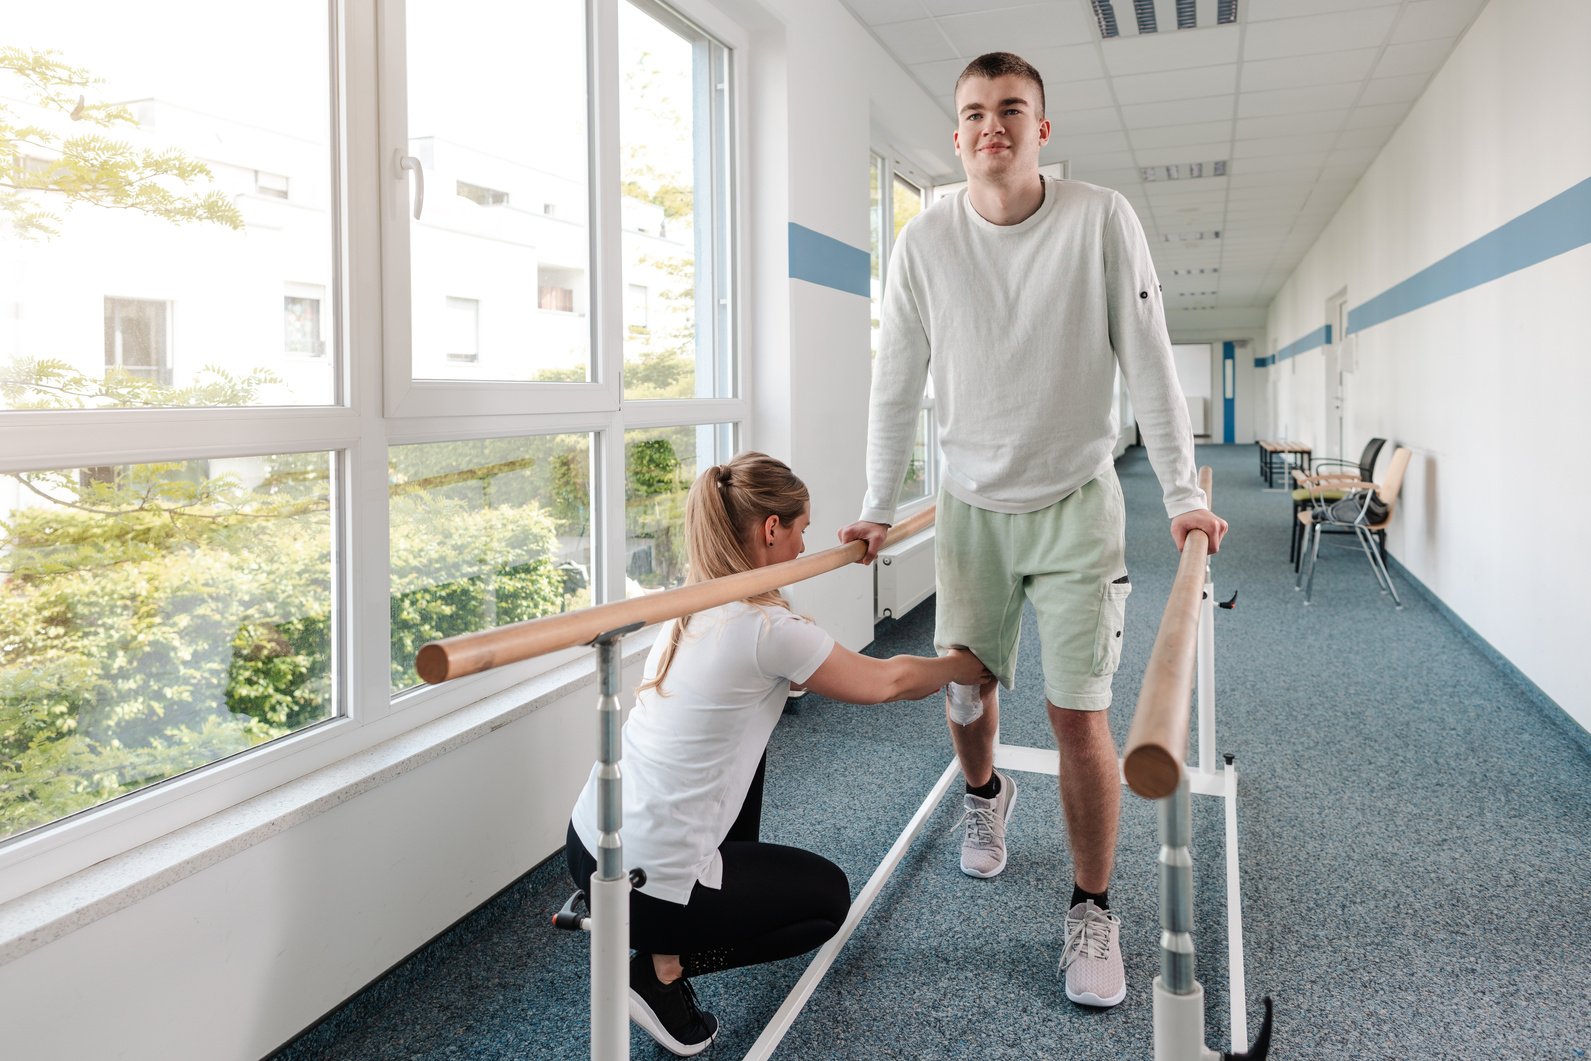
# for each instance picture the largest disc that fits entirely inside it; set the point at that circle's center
(776, 901)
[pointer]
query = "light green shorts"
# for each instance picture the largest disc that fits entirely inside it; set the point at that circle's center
(1069, 559)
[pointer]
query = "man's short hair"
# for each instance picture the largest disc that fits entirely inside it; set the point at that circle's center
(1001, 64)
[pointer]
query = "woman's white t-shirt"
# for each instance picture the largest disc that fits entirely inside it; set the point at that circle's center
(689, 756)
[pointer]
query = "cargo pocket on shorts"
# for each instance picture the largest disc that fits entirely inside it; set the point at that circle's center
(1112, 620)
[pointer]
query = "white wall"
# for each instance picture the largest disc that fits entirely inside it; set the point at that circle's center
(233, 960)
(1487, 386)
(819, 87)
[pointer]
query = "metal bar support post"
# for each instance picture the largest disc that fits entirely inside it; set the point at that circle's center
(610, 886)
(1178, 995)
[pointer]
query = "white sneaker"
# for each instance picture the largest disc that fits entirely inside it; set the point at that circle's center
(1091, 959)
(983, 844)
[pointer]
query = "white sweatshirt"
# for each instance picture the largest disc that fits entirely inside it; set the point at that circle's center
(1022, 327)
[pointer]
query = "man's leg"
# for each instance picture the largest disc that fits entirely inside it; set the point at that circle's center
(1090, 792)
(974, 742)
(978, 605)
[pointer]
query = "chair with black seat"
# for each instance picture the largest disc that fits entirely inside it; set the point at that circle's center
(1365, 513)
(1318, 480)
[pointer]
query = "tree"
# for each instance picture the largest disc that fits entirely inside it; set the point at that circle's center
(47, 169)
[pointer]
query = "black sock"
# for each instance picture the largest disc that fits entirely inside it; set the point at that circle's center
(988, 790)
(1099, 899)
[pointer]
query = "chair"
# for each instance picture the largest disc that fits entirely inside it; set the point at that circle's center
(1358, 514)
(1303, 498)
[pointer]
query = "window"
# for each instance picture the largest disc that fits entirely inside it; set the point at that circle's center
(484, 533)
(270, 185)
(659, 466)
(243, 557)
(168, 585)
(463, 329)
(137, 339)
(556, 288)
(886, 217)
(635, 307)
(480, 195)
(676, 196)
(301, 323)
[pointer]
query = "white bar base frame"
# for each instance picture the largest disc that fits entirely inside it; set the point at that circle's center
(1179, 1025)
(1033, 761)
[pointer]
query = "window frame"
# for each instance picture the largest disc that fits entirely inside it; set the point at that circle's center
(888, 168)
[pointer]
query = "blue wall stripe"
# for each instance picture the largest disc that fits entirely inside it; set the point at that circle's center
(820, 259)
(1229, 397)
(1315, 339)
(1558, 225)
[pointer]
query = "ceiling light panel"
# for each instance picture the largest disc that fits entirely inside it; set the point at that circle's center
(1118, 19)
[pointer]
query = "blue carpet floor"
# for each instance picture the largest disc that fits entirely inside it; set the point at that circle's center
(1413, 820)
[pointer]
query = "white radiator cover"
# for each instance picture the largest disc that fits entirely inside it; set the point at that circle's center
(903, 576)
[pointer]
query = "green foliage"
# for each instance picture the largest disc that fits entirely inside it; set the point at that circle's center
(157, 617)
(44, 169)
(46, 383)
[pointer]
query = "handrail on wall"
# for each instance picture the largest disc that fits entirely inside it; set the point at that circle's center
(454, 657)
(1157, 741)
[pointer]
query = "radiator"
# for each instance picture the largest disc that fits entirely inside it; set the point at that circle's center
(903, 576)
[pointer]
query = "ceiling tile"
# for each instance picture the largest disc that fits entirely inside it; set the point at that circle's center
(1301, 71)
(1177, 135)
(1285, 124)
(1178, 112)
(875, 11)
(1075, 62)
(1171, 51)
(1040, 27)
(1417, 57)
(1352, 138)
(1278, 145)
(1405, 89)
(918, 41)
(941, 76)
(1098, 120)
(1368, 117)
(1292, 101)
(1426, 19)
(1178, 154)
(1079, 96)
(1339, 31)
(1262, 10)
(1176, 84)
(1078, 145)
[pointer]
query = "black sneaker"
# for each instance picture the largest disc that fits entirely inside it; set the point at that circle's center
(668, 1012)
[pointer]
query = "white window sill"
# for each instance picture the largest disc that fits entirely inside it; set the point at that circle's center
(47, 914)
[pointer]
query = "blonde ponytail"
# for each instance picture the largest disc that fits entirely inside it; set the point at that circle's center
(724, 513)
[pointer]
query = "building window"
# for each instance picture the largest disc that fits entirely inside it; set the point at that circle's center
(555, 289)
(635, 306)
(270, 185)
(138, 338)
(481, 195)
(463, 329)
(301, 326)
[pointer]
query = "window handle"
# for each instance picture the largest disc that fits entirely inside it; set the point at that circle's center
(408, 162)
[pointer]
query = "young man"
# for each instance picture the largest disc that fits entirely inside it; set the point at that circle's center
(1022, 296)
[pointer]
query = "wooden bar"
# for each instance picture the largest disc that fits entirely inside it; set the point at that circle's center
(1157, 741)
(454, 657)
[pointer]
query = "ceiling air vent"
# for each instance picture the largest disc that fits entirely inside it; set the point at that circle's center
(1184, 171)
(1160, 16)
